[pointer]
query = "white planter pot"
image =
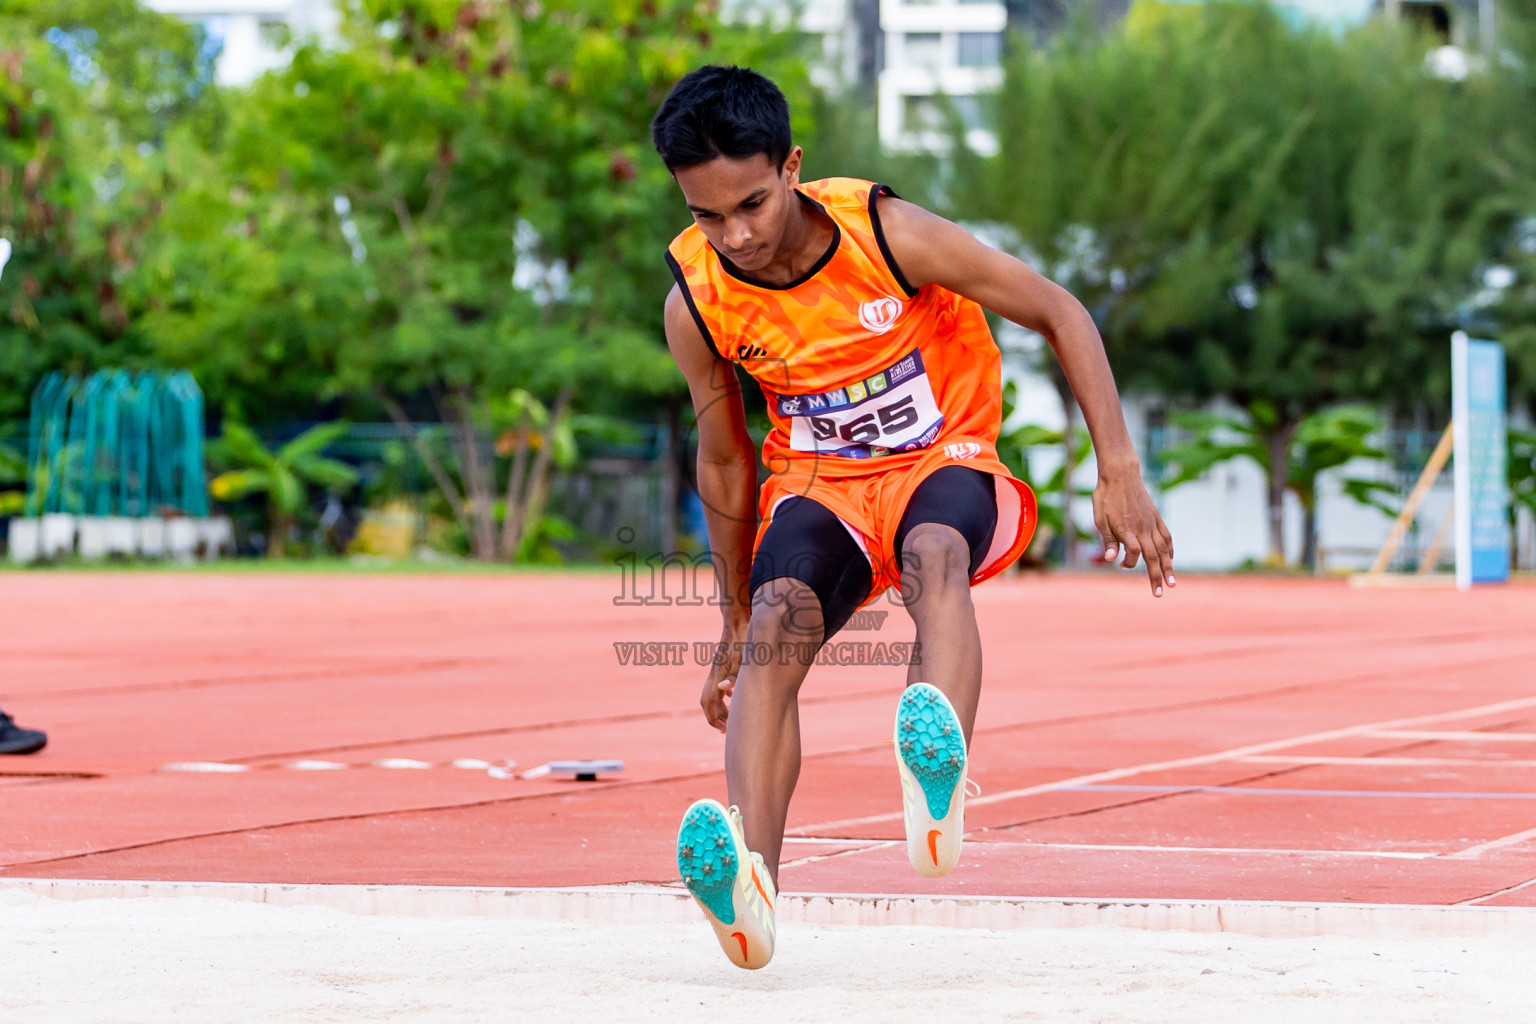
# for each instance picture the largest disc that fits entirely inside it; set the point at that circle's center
(93, 536)
(58, 534)
(215, 536)
(25, 541)
(181, 539)
(151, 537)
(122, 535)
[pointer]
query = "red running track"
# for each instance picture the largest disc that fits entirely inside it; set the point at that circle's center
(1244, 738)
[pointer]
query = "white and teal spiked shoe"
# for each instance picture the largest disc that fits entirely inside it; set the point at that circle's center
(930, 754)
(729, 882)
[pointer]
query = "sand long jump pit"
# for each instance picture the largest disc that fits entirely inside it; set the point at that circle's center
(84, 952)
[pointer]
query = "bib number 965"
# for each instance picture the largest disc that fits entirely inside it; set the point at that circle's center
(892, 411)
(869, 427)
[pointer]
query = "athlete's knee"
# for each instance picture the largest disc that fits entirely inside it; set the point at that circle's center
(785, 611)
(936, 555)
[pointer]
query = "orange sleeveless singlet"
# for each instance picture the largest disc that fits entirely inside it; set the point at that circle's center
(871, 384)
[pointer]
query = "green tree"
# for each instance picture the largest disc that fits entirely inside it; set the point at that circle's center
(88, 89)
(1505, 133)
(1522, 482)
(1324, 440)
(459, 201)
(1250, 211)
(13, 470)
(284, 475)
(1053, 500)
(546, 437)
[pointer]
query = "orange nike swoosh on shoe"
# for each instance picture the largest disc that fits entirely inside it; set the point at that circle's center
(933, 845)
(743, 940)
(760, 890)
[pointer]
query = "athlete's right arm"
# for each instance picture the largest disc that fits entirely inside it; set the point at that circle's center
(727, 475)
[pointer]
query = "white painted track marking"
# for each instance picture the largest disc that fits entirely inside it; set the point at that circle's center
(210, 767)
(1378, 762)
(1473, 852)
(1245, 850)
(1195, 761)
(1454, 737)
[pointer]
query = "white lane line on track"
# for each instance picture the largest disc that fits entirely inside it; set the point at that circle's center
(865, 844)
(1402, 762)
(1496, 894)
(1272, 851)
(817, 858)
(497, 769)
(1129, 847)
(1453, 737)
(1473, 852)
(202, 767)
(1190, 762)
(833, 841)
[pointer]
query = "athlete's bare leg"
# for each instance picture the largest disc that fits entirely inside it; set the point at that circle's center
(762, 728)
(937, 584)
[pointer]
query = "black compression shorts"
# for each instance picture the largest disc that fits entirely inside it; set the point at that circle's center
(806, 542)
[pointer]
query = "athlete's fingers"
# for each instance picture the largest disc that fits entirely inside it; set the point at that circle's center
(1166, 547)
(713, 703)
(1163, 545)
(1106, 533)
(1157, 573)
(1132, 550)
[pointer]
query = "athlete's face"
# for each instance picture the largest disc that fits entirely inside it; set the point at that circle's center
(742, 206)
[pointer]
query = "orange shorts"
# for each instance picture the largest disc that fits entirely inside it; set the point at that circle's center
(871, 505)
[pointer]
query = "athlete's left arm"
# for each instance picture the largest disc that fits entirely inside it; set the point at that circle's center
(932, 250)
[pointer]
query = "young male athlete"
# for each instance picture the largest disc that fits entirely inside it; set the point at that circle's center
(860, 317)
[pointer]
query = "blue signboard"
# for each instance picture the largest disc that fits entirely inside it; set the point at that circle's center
(1482, 483)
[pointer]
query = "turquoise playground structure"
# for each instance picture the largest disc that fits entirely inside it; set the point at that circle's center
(117, 444)
(115, 460)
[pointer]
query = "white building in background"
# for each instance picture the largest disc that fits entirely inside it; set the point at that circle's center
(251, 37)
(936, 52)
(907, 54)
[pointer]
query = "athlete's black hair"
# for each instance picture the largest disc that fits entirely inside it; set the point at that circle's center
(715, 111)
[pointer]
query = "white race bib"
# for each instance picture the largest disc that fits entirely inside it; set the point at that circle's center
(893, 411)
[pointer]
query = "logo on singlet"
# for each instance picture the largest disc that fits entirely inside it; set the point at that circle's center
(880, 315)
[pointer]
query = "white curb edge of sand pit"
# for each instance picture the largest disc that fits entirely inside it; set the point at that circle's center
(646, 904)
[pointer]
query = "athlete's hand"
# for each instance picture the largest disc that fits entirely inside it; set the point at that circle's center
(721, 680)
(1125, 515)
